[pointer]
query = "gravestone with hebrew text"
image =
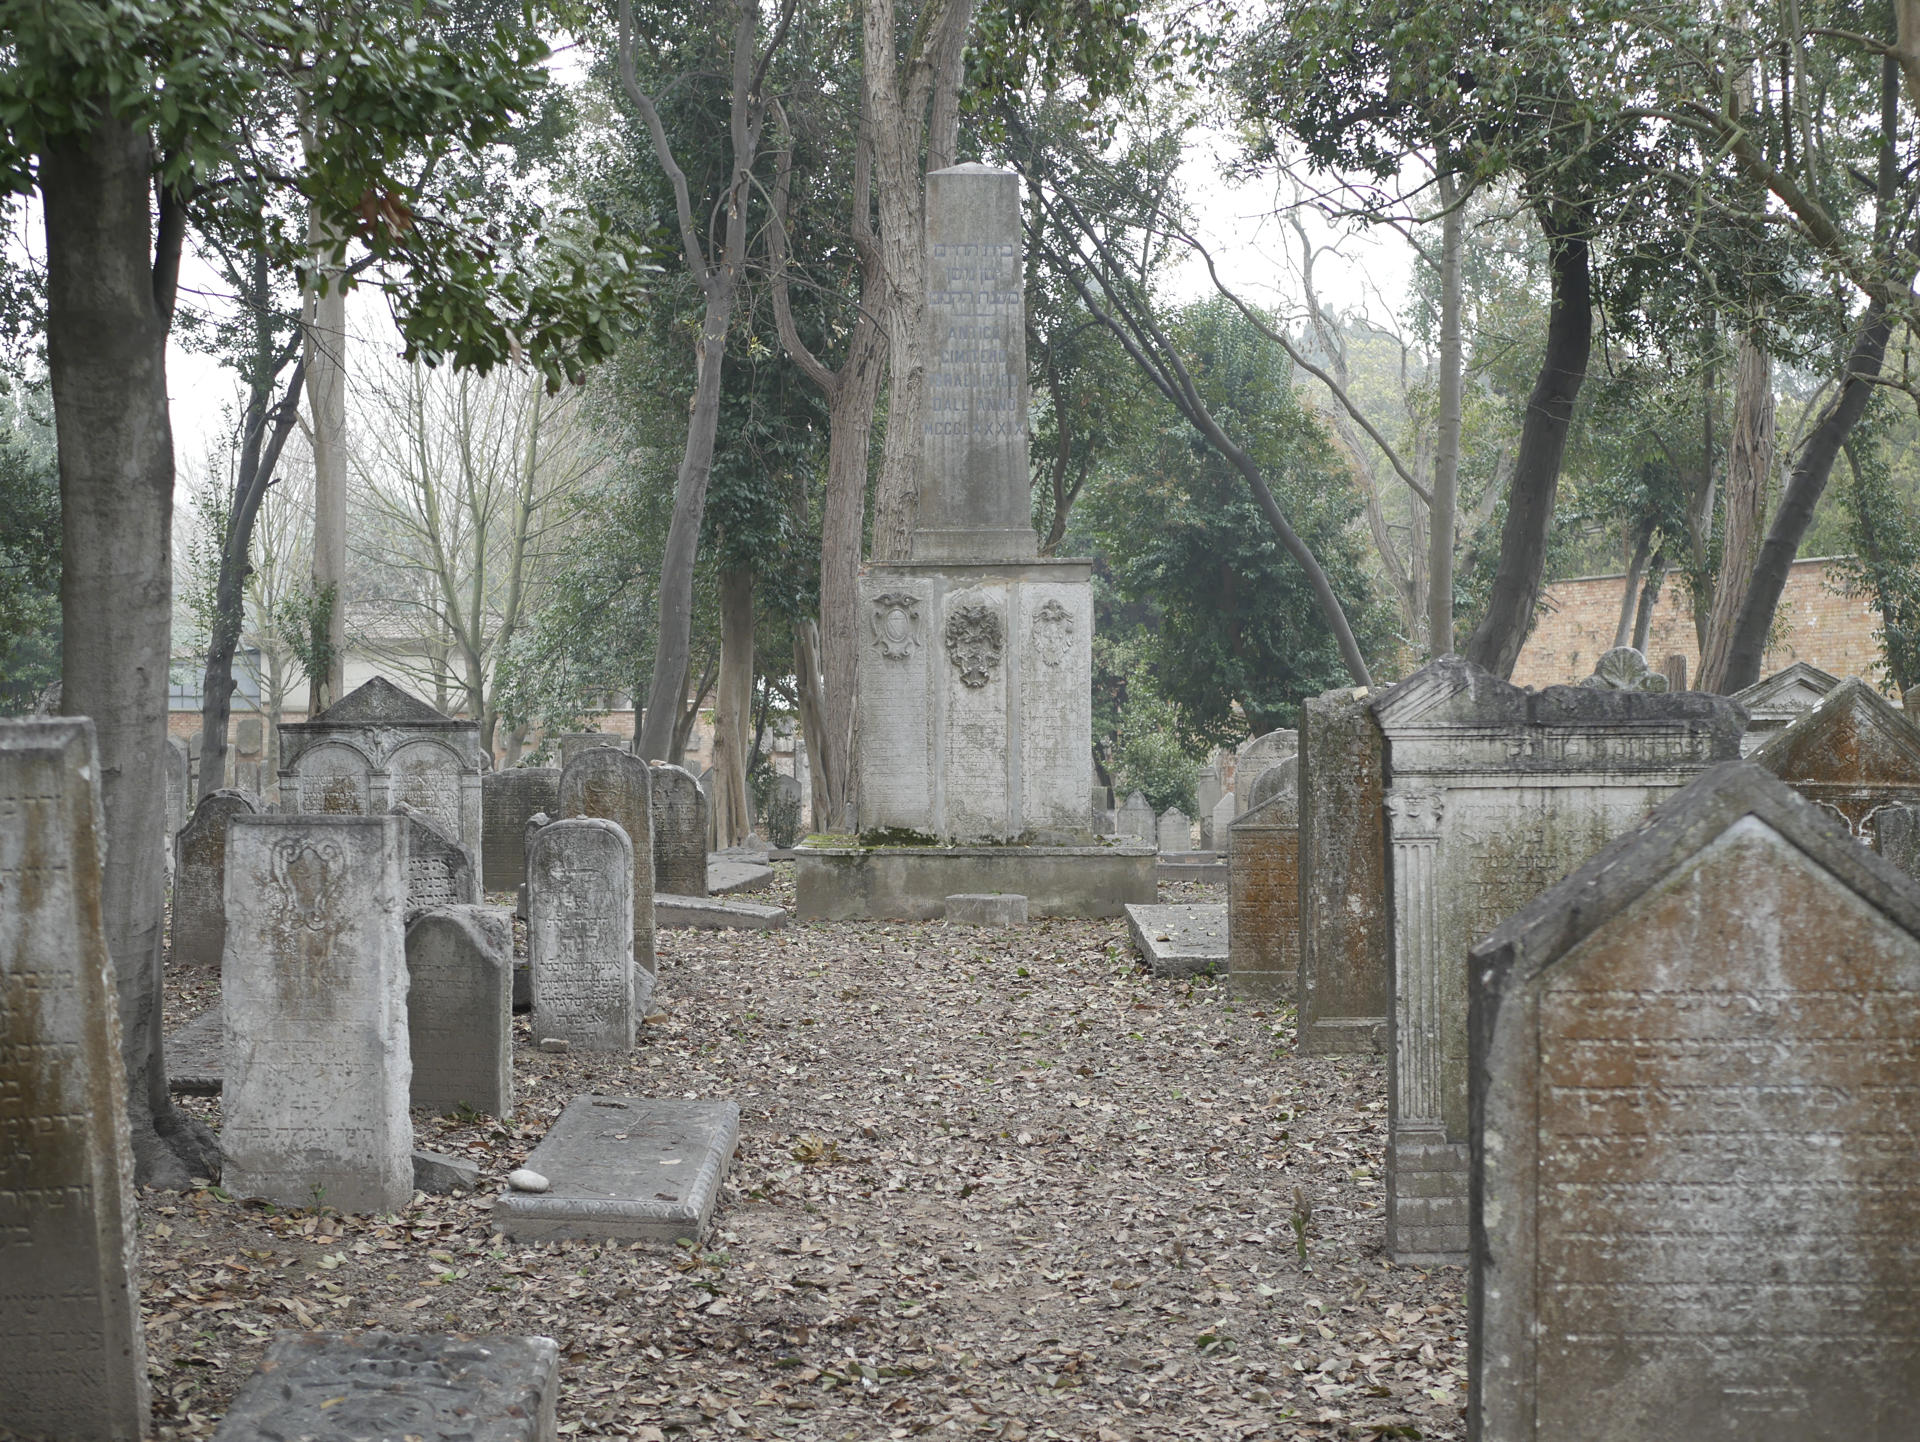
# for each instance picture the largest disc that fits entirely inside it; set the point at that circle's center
(1263, 893)
(1493, 794)
(587, 990)
(460, 1009)
(1344, 925)
(1852, 753)
(440, 871)
(680, 832)
(1696, 1179)
(314, 1093)
(507, 799)
(200, 877)
(618, 787)
(72, 1351)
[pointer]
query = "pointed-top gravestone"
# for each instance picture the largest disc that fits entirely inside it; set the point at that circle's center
(72, 1353)
(1775, 702)
(378, 746)
(1175, 830)
(1695, 1178)
(1624, 669)
(1136, 819)
(1853, 754)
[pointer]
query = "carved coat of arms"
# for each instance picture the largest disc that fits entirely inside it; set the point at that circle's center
(895, 620)
(1052, 629)
(975, 640)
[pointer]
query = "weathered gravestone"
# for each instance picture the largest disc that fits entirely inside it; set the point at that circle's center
(1775, 702)
(507, 799)
(376, 747)
(1208, 791)
(440, 871)
(1256, 757)
(200, 878)
(315, 988)
(178, 797)
(460, 1009)
(1221, 824)
(1100, 805)
(679, 832)
(1263, 892)
(1135, 819)
(360, 1386)
(1344, 927)
(1695, 1173)
(1896, 836)
(1853, 754)
(573, 743)
(1494, 793)
(614, 786)
(1175, 830)
(587, 989)
(72, 1353)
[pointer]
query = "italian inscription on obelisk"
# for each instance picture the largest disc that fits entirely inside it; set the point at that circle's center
(974, 497)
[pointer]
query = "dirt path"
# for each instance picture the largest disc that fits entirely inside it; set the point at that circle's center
(990, 1183)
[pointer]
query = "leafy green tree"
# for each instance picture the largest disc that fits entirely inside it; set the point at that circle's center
(29, 553)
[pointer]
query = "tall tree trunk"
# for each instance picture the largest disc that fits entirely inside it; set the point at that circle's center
(1700, 502)
(1744, 509)
(108, 307)
(732, 710)
(1446, 462)
(1630, 586)
(326, 361)
(810, 696)
(1496, 642)
(1649, 598)
(688, 715)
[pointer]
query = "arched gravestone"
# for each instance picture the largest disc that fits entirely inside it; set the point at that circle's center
(378, 747)
(200, 878)
(586, 988)
(1256, 757)
(679, 832)
(72, 1351)
(615, 786)
(1282, 776)
(1852, 754)
(1174, 830)
(507, 799)
(1695, 1175)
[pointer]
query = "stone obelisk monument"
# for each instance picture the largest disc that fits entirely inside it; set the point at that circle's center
(974, 760)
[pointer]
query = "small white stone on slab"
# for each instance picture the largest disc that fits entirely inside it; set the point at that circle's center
(987, 909)
(714, 913)
(725, 876)
(1181, 940)
(525, 1179)
(626, 1169)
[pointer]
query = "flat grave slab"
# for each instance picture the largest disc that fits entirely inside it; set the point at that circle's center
(714, 913)
(1181, 940)
(350, 1386)
(626, 1169)
(725, 875)
(195, 1055)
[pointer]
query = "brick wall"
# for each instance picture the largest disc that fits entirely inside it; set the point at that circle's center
(1815, 624)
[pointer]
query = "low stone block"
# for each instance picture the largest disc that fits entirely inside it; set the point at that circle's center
(912, 883)
(626, 1169)
(726, 876)
(712, 913)
(987, 909)
(439, 1173)
(352, 1386)
(1180, 940)
(195, 1055)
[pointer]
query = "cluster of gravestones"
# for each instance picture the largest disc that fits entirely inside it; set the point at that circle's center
(361, 975)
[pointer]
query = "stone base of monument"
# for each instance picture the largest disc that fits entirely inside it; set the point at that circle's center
(726, 875)
(626, 1169)
(1427, 1179)
(195, 1055)
(715, 913)
(912, 883)
(1181, 940)
(344, 1386)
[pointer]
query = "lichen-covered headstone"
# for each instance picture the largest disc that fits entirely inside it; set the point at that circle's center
(460, 1009)
(575, 742)
(587, 990)
(614, 786)
(1344, 928)
(1494, 793)
(679, 832)
(72, 1353)
(507, 799)
(315, 987)
(440, 871)
(1696, 1179)
(200, 878)
(1852, 753)
(1263, 893)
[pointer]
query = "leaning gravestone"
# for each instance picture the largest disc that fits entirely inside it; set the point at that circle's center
(1136, 820)
(587, 989)
(73, 1359)
(1263, 892)
(377, 747)
(1696, 1180)
(1344, 930)
(200, 878)
(315, 988)
(1494, 793)
(1175, 830)
(356, 1386)
(679, 832)
(1257, 756)
(440, 871)
(614, 786)
(460, 1009)
(1852, 754)
(507, 799)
